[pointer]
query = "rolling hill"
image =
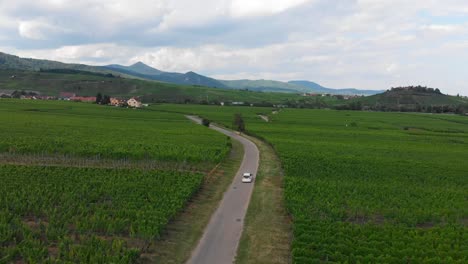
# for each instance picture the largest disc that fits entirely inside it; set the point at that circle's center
(144, 71)
(11, 62)
(413, 98)
(140, 70)
(344, 91)
(90, 83)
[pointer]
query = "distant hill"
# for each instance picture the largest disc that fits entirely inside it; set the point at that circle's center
(294, 87)
(412, 98)
(82, 83)
(140, 70)
(138, 67)
(264, 86)
(344, 91)
(12, 62)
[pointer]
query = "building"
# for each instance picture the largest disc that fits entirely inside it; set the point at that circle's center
(134, 102)
(117, 101)
(66, 95)
(88, 99)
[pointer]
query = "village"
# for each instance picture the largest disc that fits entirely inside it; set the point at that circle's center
(133, 102)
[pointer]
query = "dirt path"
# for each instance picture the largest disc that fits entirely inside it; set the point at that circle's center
(221, 237)
(265, 118)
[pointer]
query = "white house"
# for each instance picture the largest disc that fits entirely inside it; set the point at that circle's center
(133, 102)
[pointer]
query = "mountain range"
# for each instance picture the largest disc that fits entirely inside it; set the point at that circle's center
(140, 70)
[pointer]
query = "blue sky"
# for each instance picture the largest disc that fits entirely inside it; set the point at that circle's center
(368, 44)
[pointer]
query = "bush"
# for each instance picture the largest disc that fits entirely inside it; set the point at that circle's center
(206, 122)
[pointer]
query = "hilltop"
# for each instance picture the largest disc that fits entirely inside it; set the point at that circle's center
(144, 71)
(412, 98)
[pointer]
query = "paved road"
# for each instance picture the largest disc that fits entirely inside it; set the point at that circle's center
(220, 239)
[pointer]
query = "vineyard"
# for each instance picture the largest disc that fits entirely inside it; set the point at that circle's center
(364, 187)
(86, 215)
(374, 187)
(85, 130)
(84, 183)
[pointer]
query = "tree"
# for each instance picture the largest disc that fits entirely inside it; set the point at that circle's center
(98, 98)
(105, 100)
(238, 123)
(206, 122)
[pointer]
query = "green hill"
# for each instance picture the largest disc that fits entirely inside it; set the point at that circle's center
(89, 84)
(140, 70)
(11, 62)
(144, 71)
(412, 98)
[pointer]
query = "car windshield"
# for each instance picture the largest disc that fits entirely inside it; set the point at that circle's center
(246, 175)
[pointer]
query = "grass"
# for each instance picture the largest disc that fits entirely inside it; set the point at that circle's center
(373, 187)
(267, 233)
(58, 215)
(87, 131)
(183, 234)
(51, 135)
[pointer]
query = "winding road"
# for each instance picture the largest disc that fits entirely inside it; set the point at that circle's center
(220, 239)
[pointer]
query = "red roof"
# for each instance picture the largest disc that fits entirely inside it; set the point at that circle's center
(67, 94)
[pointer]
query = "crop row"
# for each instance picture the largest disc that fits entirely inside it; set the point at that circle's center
(64, 128)
(374, 191)
(86, 215)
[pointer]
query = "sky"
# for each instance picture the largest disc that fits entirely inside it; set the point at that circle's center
(366, 44)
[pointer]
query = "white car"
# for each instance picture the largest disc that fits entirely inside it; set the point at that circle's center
(247, 177)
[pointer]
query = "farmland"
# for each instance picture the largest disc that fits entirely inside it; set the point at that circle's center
(362, 187)
(95, 184)
(86, 214)
(370, 187)
(86, 130)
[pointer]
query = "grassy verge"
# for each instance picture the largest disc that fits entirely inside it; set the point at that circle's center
(182, 234)
(267, 230)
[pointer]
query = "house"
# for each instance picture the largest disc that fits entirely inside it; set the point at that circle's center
(117, 101)
(45, 97)
(237, 103)
(134, 102)
(66, 95)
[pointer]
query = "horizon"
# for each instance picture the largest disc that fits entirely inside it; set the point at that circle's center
(357, 44)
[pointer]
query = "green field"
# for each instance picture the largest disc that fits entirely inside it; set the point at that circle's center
(95, 184)
(374, 187)
(366, 187)
(360, 187)
(88, 130)
(89, 215)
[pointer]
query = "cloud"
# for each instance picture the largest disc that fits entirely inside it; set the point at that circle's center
(365, 44)
(240, 8)
(37, 29)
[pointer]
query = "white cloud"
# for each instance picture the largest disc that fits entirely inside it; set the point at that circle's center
(445, 28)
(240, 8)
(362, 43)
(37, 29)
